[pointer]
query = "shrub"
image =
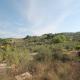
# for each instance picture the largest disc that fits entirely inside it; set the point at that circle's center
(77, 47)
(57, 54)
(66, 58)
(44, 54)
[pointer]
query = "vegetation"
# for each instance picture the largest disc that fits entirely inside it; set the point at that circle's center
(46, 57)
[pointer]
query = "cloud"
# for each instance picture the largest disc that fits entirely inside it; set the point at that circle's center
(5, 34)
(42, 16)
(7, 29)
(50, 28)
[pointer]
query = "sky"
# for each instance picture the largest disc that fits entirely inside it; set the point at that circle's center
(19, 18)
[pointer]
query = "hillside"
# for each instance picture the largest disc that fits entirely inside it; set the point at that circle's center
(46, 57)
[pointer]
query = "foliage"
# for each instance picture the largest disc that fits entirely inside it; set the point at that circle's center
(77, 47)
(54, 59)
(59, 39)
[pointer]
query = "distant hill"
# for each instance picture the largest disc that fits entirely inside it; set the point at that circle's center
(50, 36)
(44, 39)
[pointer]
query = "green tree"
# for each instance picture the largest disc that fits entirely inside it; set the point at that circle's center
(59, 39)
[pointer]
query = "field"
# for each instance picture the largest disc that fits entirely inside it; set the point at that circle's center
(46, 57)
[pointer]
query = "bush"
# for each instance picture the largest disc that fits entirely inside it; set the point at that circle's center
(59, 39)
(44, 54)
(77, 47)
(66, 58)
(57, 54)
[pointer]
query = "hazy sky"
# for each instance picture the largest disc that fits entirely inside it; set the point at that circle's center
(19, 18)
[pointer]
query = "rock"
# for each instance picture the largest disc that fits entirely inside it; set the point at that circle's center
(3, 65)
(24, 76)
